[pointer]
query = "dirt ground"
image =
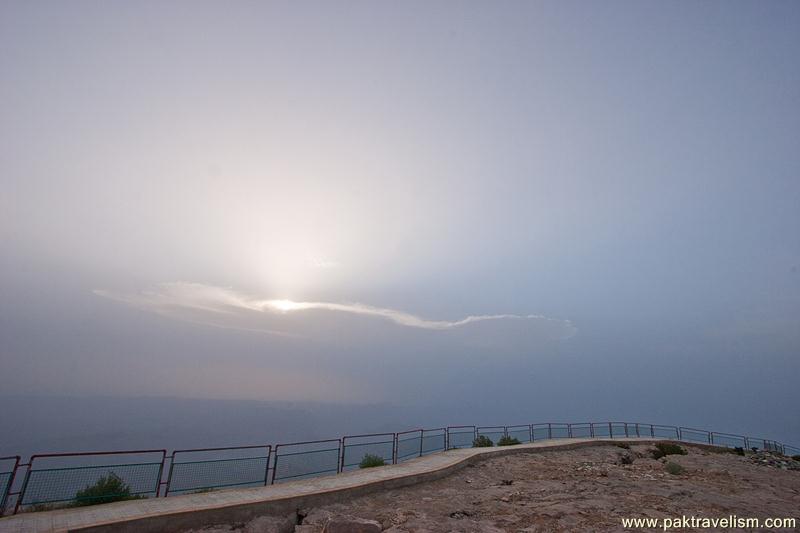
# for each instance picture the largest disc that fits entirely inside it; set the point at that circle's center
(588, 489)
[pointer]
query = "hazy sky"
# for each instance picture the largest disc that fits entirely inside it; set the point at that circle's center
(584, 210)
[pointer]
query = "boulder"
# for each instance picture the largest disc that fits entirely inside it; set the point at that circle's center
(271, 524)
(351, 525)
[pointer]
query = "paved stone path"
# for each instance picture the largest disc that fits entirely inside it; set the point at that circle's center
(177, 513)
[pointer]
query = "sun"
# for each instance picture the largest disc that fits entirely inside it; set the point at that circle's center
(285, 305)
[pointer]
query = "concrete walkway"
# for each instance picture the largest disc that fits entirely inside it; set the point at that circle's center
(177, 513)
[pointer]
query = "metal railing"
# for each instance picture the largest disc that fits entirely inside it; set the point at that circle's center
(58, 479)
(302, 460)
(49, 481)
(205, 469)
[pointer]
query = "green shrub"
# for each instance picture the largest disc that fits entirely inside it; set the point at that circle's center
(508, 441)
(667, 448)
(371, 460)
(738, 450)
(482, 442)
(674, 468)
(110, 488)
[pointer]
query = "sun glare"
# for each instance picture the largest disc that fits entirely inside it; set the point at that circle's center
(285, 305)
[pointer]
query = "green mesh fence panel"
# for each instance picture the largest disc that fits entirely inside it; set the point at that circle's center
(433, 440)
(493, 433)
(581, 431)
(306, 460)
(408, 445)
(521, 433)
(59, 485)
(694, 435)
(356, 447)
(199, 470)
(540, 432)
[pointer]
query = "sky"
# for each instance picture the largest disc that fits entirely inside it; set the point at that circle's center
(495, 210)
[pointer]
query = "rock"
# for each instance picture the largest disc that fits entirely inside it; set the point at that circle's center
(507, 482)
(351, 525)
(271, 524)
(307, 528)
(460, 514)
(625, 458)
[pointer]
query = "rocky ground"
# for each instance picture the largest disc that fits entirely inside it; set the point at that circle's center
(588, 489)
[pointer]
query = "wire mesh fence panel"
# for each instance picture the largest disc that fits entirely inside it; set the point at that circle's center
(640, 430)
(7, 467)
(601, 429)
(619, 429)
(203, 470)
(409, 445)
(559, 431)
(695, 435)
(72, 480)
(728, 440)
(305, 460)
(460, 436)
(665, 432)
(493, 433)
(519, 432)
(792, 451)
(581, 431)
(357, 448)
(433, 440)
(540, 431)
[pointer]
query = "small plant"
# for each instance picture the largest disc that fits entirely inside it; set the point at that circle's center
(508, 441)
(482, 442)
(738, 450)
(371, 460)
(623, 445)
(110, 488)
(674, 468)
(667, 448)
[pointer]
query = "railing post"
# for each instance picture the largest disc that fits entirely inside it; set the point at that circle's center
(421, 439)
(4, 496)
(275, 465)
(343, 448)
(161, 472)
(269, 459)
(549, 430)
(21, 494)
(530, 432)
(626, 429)
(610, 431)
(169, 475)
(569, 430)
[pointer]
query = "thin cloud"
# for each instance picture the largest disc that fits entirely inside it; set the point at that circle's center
(197, 297)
